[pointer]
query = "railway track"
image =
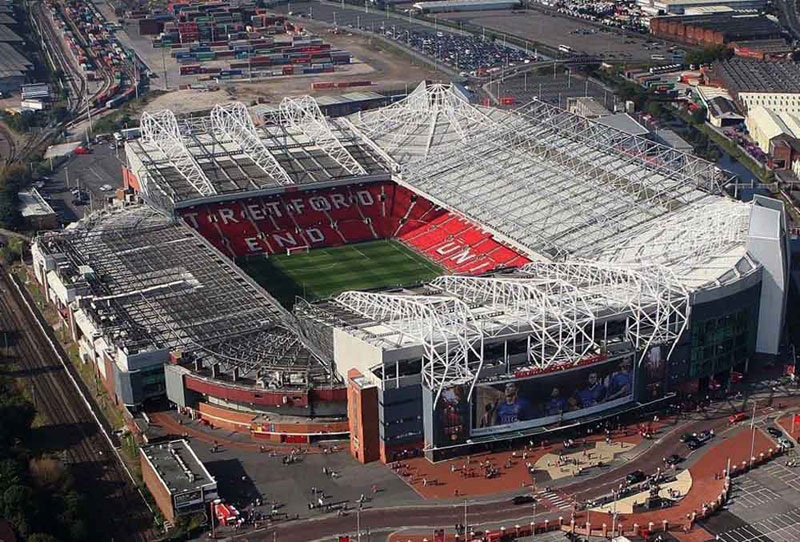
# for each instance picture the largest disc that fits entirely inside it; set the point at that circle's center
(119, 510)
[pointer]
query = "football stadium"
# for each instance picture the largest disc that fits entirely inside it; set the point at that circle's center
(429, 277)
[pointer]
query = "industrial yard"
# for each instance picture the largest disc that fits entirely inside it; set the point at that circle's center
(607, 43)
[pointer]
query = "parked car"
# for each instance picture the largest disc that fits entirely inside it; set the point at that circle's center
(635, 477)
(82, 150)
(703, 436)
(674, 459)
(693, 444)
(777, 433)
(785, 443)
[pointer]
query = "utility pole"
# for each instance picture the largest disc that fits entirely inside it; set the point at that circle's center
(753, 433)
(89, 112)
(466, 525)
(164, 67)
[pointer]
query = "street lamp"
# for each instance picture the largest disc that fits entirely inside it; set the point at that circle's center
(533, 529)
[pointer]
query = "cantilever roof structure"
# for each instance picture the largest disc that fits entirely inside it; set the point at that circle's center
(614, 223)
(182, 160)
(151, 283)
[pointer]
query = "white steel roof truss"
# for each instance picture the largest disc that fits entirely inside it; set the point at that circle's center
(561, 324)
(452, 342)
(303, 113)
(161, 130)
(658, 305)
(233, 122)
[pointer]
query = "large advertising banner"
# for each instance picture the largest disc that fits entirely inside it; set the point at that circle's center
(548, 398)
(451, 417)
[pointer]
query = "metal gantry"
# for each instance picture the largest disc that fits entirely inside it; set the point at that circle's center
(231, 121)
(559, 321)
(303, 113)
(161, 129)
(451, 340)
(654, 301)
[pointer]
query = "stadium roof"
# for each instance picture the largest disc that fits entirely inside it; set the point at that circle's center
(151, 283)
(613, 222)
(180, 161)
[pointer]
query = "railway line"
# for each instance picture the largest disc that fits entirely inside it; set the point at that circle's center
(120, 511)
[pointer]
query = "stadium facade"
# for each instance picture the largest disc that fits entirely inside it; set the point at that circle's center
(588, 273)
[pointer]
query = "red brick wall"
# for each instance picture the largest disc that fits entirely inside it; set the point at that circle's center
(157, 489)
(362, 415)
(243, 395)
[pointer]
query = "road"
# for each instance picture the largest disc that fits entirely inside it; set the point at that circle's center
(501, 512)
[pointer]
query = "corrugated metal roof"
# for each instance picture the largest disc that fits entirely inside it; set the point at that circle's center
(12, 62)
(8, 35)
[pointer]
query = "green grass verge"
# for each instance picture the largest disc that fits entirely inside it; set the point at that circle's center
(327, 271)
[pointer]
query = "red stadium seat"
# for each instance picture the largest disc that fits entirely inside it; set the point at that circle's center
(350, 214)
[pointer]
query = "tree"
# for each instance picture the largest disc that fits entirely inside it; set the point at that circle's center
(699, 115)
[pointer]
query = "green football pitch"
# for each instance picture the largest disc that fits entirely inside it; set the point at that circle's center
(324, 272)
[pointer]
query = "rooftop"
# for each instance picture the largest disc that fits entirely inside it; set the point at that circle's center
(12, 63)
(733, 25)
(743, 75)
(8, 35)
(178, 466)
(224, 154)
(31, 203)
(151, 283)
(625, 123)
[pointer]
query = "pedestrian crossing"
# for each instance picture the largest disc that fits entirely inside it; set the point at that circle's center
(554, 499)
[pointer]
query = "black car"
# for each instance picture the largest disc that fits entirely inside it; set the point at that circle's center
(635, 477)
(777, 433)
(693, 444)
(523, 499)
(705, 435)
(674, 459)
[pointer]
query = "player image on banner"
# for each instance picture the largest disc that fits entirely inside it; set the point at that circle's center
(452, 416)
(548, 397)
(654, 368)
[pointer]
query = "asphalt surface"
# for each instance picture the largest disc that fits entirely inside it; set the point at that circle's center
(492, 513)
(457, 49)
(89, 172)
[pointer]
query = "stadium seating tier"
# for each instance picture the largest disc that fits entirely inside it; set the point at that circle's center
(344, 215)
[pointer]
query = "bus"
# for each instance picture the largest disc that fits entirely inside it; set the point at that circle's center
(565, 49)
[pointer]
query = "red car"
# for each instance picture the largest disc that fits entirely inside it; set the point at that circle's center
(737, 417)
(82, 150)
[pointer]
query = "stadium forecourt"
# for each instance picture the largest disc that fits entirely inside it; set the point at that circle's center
(587, 273)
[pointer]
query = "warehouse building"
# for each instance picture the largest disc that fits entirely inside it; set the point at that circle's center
(716, 28)
(36, 212)
(722, 109)
(177, 479)
(775, 133)
(439, 6)
(678, 7)
(774, 85)
(14, 67)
